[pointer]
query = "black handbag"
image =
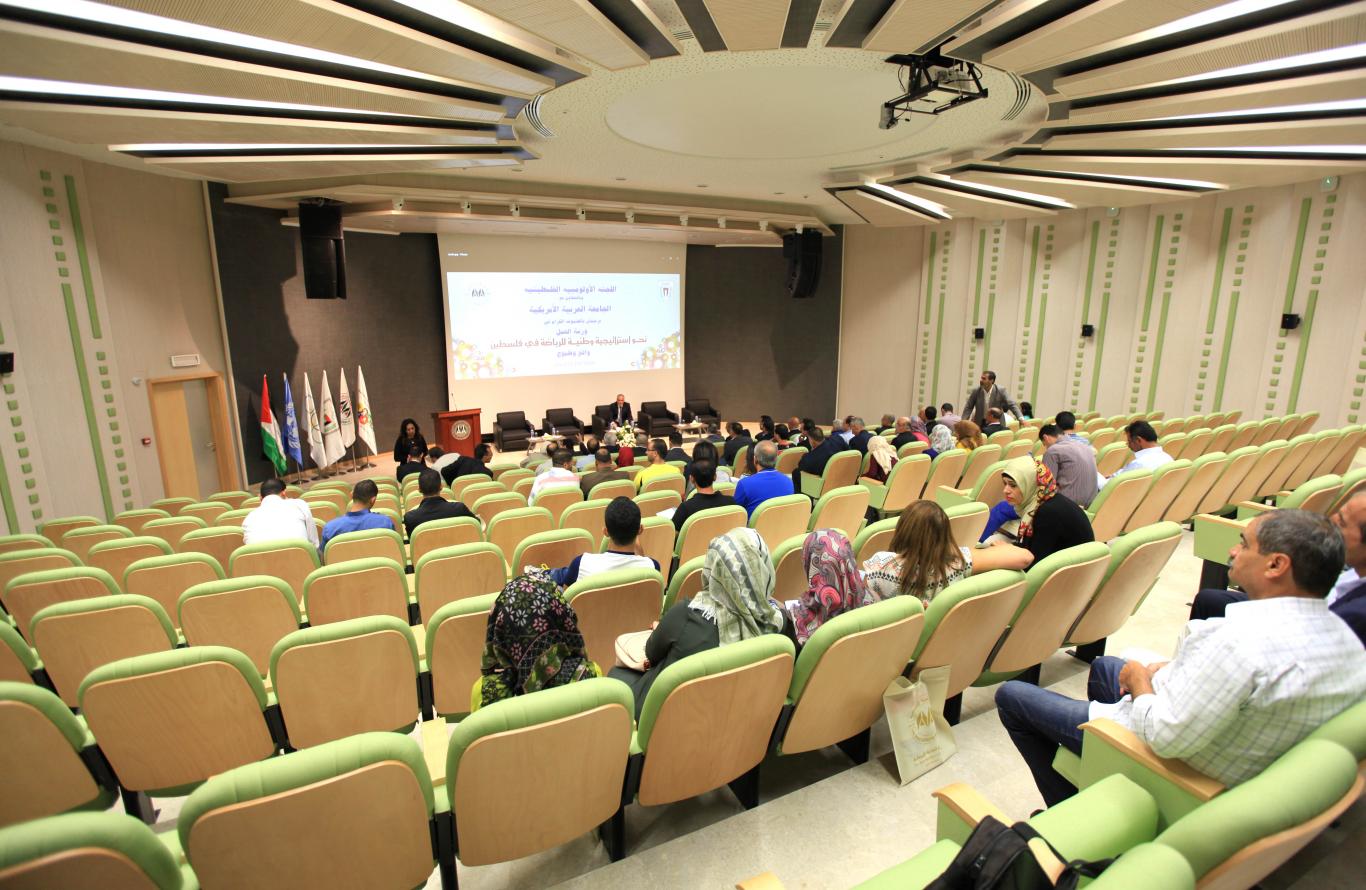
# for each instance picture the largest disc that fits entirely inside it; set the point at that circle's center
(997, 857)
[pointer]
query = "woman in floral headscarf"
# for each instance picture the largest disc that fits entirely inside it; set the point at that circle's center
(833, 582)
(941, 439)
(533, 641)
(1034, 514)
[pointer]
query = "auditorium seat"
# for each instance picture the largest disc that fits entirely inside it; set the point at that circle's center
(789, 570)
(1352, 483)
(215, 541)
(589, 515)
(609, 604)
(699, 529)
(653, 503)
(357, 812)
(551, 549)
(471, 493)
(356, 589)
(1104, 438)
(455, 645)
(451, 574)
(841, 470)
(979, 459)
(708, 718)
(841, 509)
(16, 543)
(1136, 560)
(28, 594)
(511, 431)
(911, 448)
(579, 737)
(173, 528)
(18, 662)
(172, 506)
(561, 421)
(673, 482)
(347, 677)
(556, 498)
(134, 520)
(657, 539)
(1116, 502)
(1058, 589)
(841, 673)
(904, 485)
(967, 521)
(79, 540)
(945, 470)
(117, 555)
(875, 536)
(206, 510)
(788, 459)
(737, 466)
(778, 519)
(250, 614)
(1353, 439)
(989, 488)
(364, 544)
(1316, 495)
(54, 529)
(437, 533)
(49, 763)
(1168, 481)
(612, 489)
(77, 636)
(685, 583)
(21, 562)
(963, 623)
(656, 419)
(333, 496)
(234, 499)
(290, 561)
(234, 517)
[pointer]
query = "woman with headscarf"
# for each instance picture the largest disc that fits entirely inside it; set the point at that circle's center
(1034, 514)
(735, 603)
(532, 642)
(968, 435)
(882, 457)
(917, 429)
(941, 439)
(833, 582)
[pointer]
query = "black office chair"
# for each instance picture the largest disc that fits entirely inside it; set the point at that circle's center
(656, 419)
(699, 411)
(563, 421)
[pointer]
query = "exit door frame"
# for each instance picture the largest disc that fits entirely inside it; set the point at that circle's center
(224, 447)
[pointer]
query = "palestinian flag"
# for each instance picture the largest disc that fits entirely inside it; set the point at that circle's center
(270, 432)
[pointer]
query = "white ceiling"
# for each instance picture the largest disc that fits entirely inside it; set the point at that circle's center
(749, 111)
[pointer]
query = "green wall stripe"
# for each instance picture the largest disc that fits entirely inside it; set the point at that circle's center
(1219, 270)
(1157, 349)
(1036, 347)
(939, 332)
(1228, 349)
(1033, 266)
(1306, 330)
(78, 353)
(78, 231)
(977, 293)
(1295, 256)
(1152, 272)
(991, 294)
(7, 498)
(1101, 325)
(1090, 273)
(929, 272)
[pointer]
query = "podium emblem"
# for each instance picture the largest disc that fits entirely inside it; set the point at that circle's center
(461, 429)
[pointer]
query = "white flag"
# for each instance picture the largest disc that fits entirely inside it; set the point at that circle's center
(332, 440)
(344, 415)
(315, 429)
(365, 423)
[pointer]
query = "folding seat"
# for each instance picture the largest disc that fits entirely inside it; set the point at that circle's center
(21, 562)
(874, 537)
(134, 520)
(789, 573)
(395, 520)
(557, 498)
(250, 614)
(173, 529)
(655, 502)
(1168, 481)
(1346, 452)
(841, 673)
(1116, 502)
(738, 465)
(323, 510)
(904, 485)
(1110, 459)
(842, 509)
(507, 475)
(1352, 483)
(16, 543)
(338, 499)
(455, 648)
(842, 469)
(438, 533)
(1058, 589)
(1174, 444)
(700, 528)
(1267, 430)
(356, 589)
(77, 636)
(945, 470)
(209, 511)
(290, 561)
(1238, 465)
(511, 527)
(89, 851)
(452, 574)
(234, 517)
(531, 773)
(1104, 439)
(490, 505)
(371, 542)
(165, 578)
(1221, 436)
(552, 549)
(686, 581)
(79, 540)
(788, 458)
(967, 522)
(471, 493)
(347, 677)
(27, 595)
(1019, 448)
(233, 499)
(708, 719)
(778, 519)
(1243, 436)
(979, 459)
(962, 625)
(214, 541)
(1194, 422)
(1251, 485)
(353, 813)
(989, 489)
(523, 487)
(609, 604)
(168, 721)
(116, 556)
(612, 489)
(54, 529)
(172, 506)
(1136, 559)
(49, 762)
(1001, 438)
(18, 662)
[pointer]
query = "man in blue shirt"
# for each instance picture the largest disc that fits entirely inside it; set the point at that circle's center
(359, 517)
(765, 484)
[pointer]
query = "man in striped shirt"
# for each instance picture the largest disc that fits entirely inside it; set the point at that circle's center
(1241, 690)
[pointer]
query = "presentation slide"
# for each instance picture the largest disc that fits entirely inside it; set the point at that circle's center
(528, 324)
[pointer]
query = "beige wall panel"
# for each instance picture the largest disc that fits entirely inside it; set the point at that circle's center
(883, 277)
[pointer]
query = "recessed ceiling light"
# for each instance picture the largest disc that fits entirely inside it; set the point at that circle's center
(1308, 107)
(896, 197)
(1010, 193)
(1207, 17)
(1321, 57)
(1281, 149)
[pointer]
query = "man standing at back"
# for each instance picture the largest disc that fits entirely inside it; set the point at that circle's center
(1240, 690)
(358, 517)
(765, 484)
(1070, 459)
(279, 518)
(986, 396)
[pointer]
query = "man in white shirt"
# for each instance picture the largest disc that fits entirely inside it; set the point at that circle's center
(279, 518)
(1148, 455)
(561, 472)
(1240, 690)
(621, 526)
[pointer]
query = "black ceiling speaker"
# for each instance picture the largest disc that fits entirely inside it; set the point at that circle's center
(1088, 330)
(1289, 321)
(320, 236)
(802, 250)
(979, 333)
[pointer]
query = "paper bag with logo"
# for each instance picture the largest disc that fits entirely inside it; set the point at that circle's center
(921, 737)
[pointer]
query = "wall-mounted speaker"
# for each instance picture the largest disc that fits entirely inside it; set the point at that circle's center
(979, 333)
(802, 250)
(6, 363)
(1289, 321)
(320, 237)
(1088, 330)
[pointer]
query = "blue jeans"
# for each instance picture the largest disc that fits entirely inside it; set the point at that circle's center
(1039, 720)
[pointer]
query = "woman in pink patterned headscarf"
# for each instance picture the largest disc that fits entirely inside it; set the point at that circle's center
(833, 582)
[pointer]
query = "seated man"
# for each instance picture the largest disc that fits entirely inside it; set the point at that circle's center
(946, 415)
(656, 468)
(464, 466)
(814, 461)
(886, 424)
(858, 435)
(1070, 459)
(620, 414)
(561, 472)
(739, 438)
(1347, 599)
(439, 460)
(415, 462)
(604, 470)
(765, 484)
(676, 451)
(996, 422)
(622, 527)
(433, 505)
(358, 517)
(903, 436)
(703, 476)
(279, 518)
(1148, 455)
(1240, 690)
(714, 431)
(930, 416)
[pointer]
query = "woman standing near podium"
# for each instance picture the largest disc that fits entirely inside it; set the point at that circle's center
(408, 435)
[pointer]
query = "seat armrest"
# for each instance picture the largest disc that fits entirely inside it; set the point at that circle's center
(1215, 536)
(766, 881)
(1108, 748)
(960, 808)
(435, 740)
(497, 427)
(1249, 509)
(952, 497)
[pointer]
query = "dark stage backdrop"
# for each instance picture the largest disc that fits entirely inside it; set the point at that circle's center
(391, 324)
(749, 346)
